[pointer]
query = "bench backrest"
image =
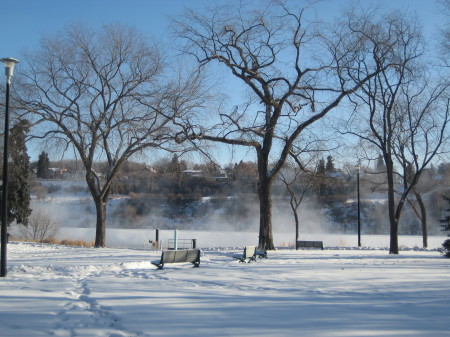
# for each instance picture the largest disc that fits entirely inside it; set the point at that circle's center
(310, 244)
(179, 256)
(249, 251)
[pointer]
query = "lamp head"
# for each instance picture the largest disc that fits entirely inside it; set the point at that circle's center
(9, 64)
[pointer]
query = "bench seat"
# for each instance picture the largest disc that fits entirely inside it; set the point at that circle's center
(178, 256)
(310, 244)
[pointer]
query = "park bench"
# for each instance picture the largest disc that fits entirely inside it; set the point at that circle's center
(249, 254)
(178, 256)
(310, 244)
(262, 254)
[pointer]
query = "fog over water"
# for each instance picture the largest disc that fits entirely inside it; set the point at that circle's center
(235, 218)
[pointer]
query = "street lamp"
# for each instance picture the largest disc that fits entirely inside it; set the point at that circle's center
(9, 64)
(358, 169)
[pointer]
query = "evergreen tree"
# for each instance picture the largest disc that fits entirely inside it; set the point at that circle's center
(18, 187)
(321, 167)
(43, 165)
(446, 227)
(320, 170)
(330, 165)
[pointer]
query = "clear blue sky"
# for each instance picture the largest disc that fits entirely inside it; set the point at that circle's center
(23, 22)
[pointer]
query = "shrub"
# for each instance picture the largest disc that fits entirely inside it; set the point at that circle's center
(41, 227)
(78, 243)
(76, 189)
(40, 191)
(53, 188)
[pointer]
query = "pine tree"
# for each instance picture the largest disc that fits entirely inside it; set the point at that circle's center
(446, 227)
(320, 170)
(321, 167)
(18, 187)
(43, 165)
(330, 165)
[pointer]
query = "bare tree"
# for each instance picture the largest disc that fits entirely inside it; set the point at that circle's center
(296, 73)
(106, 95)
(299, 179)
(421, 214)
(407, 114)
(42, 226)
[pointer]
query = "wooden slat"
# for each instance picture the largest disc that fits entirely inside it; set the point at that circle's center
(249, 251)
(310, 244)
(180, 256)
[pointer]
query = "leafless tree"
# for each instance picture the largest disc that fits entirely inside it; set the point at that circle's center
(42, 226)
(296, 73)
(299, 177)
(107, 95)
(404, 114)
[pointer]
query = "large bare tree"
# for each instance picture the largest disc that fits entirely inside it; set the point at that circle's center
(404, 114)
(295, 73)
(106, 94)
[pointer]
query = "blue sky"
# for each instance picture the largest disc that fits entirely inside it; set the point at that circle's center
(23, 22)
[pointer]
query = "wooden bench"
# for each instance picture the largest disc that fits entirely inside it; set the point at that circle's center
(262, 254)
(249, 254)
(310, 244)
(178, 256)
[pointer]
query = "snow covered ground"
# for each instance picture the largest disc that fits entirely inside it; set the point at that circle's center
(53, 290)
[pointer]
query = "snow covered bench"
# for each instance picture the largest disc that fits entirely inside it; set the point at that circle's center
(178, 256)
(262, 253)
(310, 244)
(249, 254)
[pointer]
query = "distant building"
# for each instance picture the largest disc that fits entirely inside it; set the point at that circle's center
(56, 173)
(194, 173)
(221, 176)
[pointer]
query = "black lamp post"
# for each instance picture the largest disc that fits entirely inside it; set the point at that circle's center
(9, 64)
(358, 168)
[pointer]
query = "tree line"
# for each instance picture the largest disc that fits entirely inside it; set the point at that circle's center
(109, 95)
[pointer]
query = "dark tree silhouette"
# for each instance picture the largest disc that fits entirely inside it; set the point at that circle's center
(43, 165)
(19, 167)
(446, 227)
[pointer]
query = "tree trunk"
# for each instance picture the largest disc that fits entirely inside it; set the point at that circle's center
(294, 205)
(100, 231)
(100, 201)
(423, 219)
(265, 221)
(393, 221)
(296, 228)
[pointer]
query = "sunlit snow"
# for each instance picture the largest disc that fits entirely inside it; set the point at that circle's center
(53, 290)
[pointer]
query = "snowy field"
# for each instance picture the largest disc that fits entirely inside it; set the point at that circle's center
(54, 290)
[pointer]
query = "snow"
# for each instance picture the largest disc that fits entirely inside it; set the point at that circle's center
(54, 290)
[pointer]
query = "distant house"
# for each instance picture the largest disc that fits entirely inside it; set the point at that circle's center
(220, 176)
(81, 174)
(194, 173)
(56, 172)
